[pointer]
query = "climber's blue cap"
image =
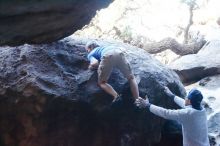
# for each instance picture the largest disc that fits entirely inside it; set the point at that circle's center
(195, 97)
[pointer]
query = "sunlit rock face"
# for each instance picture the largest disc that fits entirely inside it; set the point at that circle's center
(34, 21)
(143, 21)
(206, 62)
(210, 87)
(49, 98)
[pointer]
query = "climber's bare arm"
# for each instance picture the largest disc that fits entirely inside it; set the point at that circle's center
(94, 63)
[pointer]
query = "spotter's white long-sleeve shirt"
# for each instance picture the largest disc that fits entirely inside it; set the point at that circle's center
(194, 122)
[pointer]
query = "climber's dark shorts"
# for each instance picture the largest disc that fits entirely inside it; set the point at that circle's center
(113, 58)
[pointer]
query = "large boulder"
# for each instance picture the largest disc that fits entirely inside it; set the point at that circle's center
(34, 21)
(206, 62)
(49, 98)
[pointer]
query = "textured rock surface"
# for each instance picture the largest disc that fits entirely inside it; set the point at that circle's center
(194, 67)
(34, 21)
(49, 98)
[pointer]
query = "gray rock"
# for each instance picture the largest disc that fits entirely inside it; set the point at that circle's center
(212, 82)
(34, 21)
(214, 129)
(206, 62)
(48, 97)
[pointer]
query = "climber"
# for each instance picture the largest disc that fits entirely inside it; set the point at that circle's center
(192, 117)
(104, 59)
